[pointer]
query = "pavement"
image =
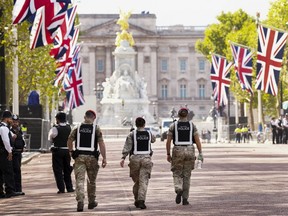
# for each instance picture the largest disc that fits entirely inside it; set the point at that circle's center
(235, 179)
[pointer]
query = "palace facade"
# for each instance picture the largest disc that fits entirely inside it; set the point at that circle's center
(175, 73)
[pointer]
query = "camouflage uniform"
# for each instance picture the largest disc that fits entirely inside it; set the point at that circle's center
(183, 161)
(140, 168)
(82, 164)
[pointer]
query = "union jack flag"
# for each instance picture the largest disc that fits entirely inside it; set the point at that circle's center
(40, 34)
(65, 34)
(270, 52)
(220, 78)
(243, 66)
(23, 9)
(74, 87)
(64, 64)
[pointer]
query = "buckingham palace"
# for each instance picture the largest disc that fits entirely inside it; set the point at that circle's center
(175, 73)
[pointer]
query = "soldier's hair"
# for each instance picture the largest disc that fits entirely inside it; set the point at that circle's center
(61, 117)
(140, 122)
(183, 112)
(90, 114)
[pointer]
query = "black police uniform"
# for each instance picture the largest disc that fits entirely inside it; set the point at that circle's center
(18, 147)
(61, 159)
(6, 167)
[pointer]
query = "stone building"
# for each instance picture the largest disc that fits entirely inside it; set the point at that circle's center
(175, 73)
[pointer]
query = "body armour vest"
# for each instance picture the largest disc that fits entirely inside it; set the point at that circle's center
(141, 142)
(19, 142)
(10, 138)
(63, 132)
(86, 139)
(183, 133)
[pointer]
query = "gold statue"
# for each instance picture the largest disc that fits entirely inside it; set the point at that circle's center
(124, 26)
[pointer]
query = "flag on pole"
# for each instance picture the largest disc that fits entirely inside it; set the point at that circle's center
(243, 66)
(270, 52)
(74, 87)
(40, 34)
(23, 9)
(220, 78)
(65, 34)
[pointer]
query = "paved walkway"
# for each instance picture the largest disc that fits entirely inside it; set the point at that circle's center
(236, 179)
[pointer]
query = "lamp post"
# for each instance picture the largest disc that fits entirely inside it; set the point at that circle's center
(154, 110)
(99, 95)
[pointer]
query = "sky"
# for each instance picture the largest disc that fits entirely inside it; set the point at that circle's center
(169, 12)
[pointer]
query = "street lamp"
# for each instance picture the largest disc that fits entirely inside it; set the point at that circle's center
(154, 110)
(99, 91)
(99, 95)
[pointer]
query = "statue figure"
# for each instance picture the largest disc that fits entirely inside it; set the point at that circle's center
(124, 26)
(125, 86)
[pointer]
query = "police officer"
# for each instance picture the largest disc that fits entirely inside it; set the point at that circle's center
(18, 148)
(6, 164)
(61, 159)
(88, 141)
(138, 147)
(184, 133)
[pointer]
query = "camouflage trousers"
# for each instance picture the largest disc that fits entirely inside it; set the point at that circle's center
(183, 161)
(140, 172)
(83, 164)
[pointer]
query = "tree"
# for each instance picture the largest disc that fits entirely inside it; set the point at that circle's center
(36, 67)
(240, 28)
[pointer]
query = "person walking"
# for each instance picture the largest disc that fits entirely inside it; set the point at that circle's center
(274, 125)
(18, 148)
(138, 147)
(6, 164)
(61, 159)
(183, 133)
(88, 141)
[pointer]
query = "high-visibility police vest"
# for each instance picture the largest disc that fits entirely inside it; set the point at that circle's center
(63, 132)
(183, 133)
(141, 142)
(86, 138)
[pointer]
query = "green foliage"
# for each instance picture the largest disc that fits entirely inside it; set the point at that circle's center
(36, 67)
(241, 28)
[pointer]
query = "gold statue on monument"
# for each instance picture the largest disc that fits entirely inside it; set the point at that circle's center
(124, 26)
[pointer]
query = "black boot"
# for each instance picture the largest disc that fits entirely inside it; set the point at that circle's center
(92, 205)
(185, 202)
(141, 204)
(178, 197)
(80, 206)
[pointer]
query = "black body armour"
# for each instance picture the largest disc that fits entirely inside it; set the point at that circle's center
(19, 143)
(84, 141)
(61, 139)
(183, 133)
(141, 142)
(2, 146)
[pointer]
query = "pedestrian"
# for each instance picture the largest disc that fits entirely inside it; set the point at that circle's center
(61, 159)
(285, 129)
(138, 147)
(88, 141)
(183, 133)
(18, 148)
(274, 125)
(6, 164)
(279, 137)
(238, 132)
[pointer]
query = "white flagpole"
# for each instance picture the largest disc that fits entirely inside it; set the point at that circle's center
(15, 108)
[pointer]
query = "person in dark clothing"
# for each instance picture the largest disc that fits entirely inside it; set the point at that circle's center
(18, 148)
(61, 159)
(6, 164)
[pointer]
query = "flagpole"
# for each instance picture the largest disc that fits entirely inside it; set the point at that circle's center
(260, 126)
(15, 108)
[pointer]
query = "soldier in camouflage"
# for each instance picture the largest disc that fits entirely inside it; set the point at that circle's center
(183, 133)
(87, 138)
(138, 147)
